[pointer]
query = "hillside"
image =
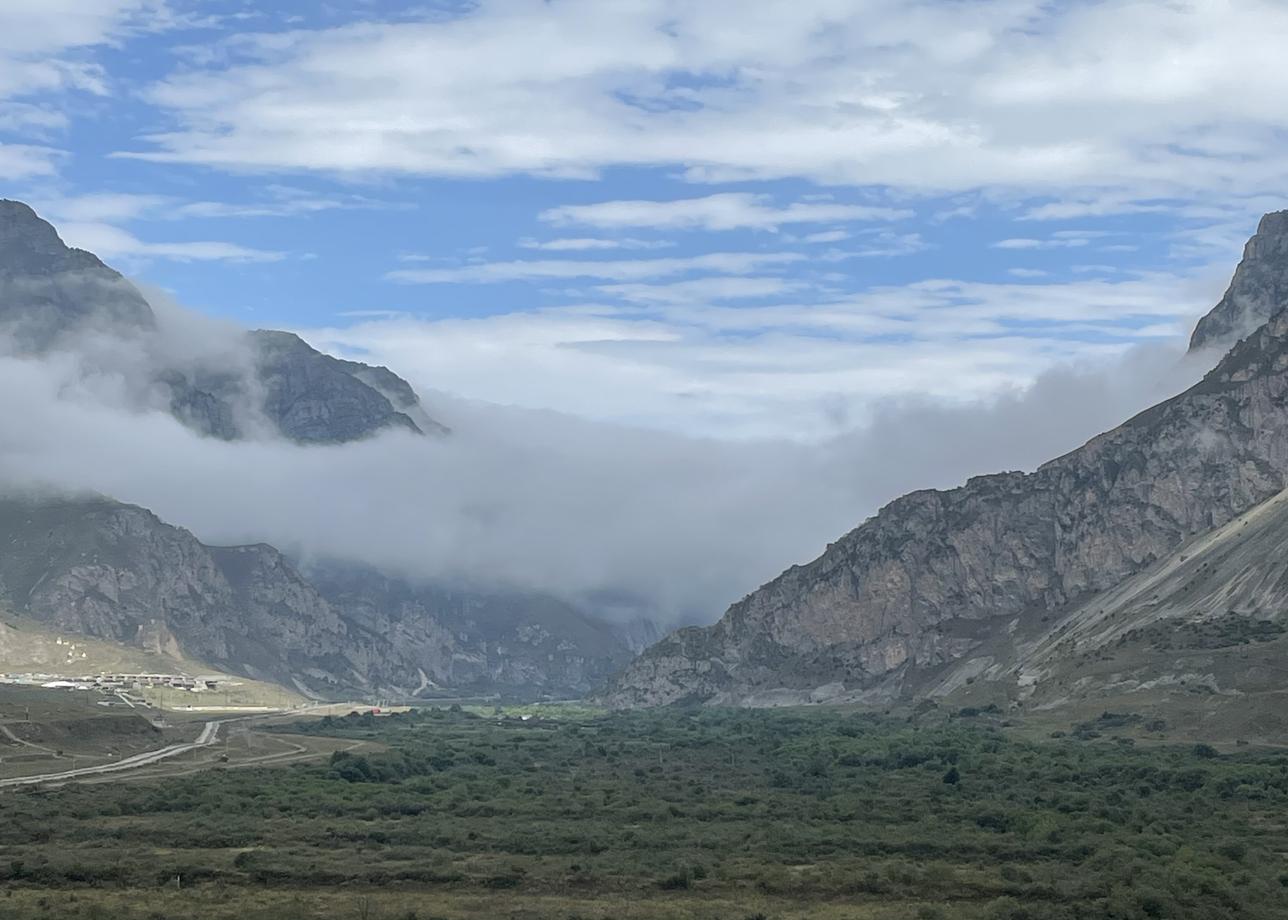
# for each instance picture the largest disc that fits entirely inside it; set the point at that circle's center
(54, 297)
(95, 567)
(935, 577)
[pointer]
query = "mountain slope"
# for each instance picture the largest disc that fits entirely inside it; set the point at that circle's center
(104, 569)
(1259, 288)
(479, 641)
(53, 296)
(1199, 639)
(48, 289)
(100, 568)
(933, 575)
(116, 572)
(1217, 595)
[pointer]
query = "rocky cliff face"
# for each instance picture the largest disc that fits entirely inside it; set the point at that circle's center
(52, 295)
(100, 568)
(114, 571)
(1259, 288)
(927, 580)
(479, 641)
(49, 290)
(314, 398)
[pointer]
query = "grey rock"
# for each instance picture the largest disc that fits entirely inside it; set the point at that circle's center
(935, 574)
(1259, 287)
(314, 398)
(114, 571)
(49, 291)
(101, 568)
(52, 294)
(479, 641)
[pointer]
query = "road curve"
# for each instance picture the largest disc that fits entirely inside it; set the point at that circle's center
(209, 735)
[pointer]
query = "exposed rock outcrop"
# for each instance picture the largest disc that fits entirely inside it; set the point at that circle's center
(50, 291)
(54, 296)
(1258, 289)
(922, 584)
(113, 571)
(476, 640)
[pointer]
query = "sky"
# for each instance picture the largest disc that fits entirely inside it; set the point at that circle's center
(726, 221)
(697, 285)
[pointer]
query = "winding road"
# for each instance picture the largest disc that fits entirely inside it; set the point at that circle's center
(209, 735)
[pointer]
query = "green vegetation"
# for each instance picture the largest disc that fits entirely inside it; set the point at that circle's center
(698, 815)
(1227, 631)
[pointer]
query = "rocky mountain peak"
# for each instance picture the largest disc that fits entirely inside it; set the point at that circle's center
(49, 290)
(24, 237)
(939, 578)
(1259, 287)
(51, 293)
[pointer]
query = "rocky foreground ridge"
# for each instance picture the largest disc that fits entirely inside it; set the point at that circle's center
(938, 577)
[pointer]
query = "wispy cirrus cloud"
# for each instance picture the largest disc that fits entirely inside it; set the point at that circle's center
(273, 201)
(735, 357)
(613, 270)
(724, 211)
(112, 242)
(1036, 98)
(589, 244)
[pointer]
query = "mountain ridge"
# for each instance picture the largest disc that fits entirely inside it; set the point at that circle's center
(51, 294)
(885, 601)
(93, 566)
(98, 567)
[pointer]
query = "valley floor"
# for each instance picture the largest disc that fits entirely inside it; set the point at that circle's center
(703, 815)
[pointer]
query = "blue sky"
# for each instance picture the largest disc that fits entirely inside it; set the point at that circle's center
(727, 219)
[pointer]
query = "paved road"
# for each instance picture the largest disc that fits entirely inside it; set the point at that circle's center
(209, 735)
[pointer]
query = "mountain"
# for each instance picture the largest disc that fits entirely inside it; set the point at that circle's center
(113, 571)
(479, 641)
(938, 577)
(97, 567)
(48, 289)
(108, 570)
(53, 296)
(1259, 288)
(1203, 631)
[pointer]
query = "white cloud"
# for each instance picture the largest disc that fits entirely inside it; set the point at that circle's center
(587, 244)
(725, 211)
(613, 270)
(537, 500)
(24, 161)
(883, 245)
(687, 357)
(30, 120)
(36, 37)
(275, 201)
(111, 242)
(1140, 101)
(99, 207)
(702, 290)
(826, 236)
(1029, 243)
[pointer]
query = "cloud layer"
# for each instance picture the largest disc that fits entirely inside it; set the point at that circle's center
(1164, 99)
(623, 520)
